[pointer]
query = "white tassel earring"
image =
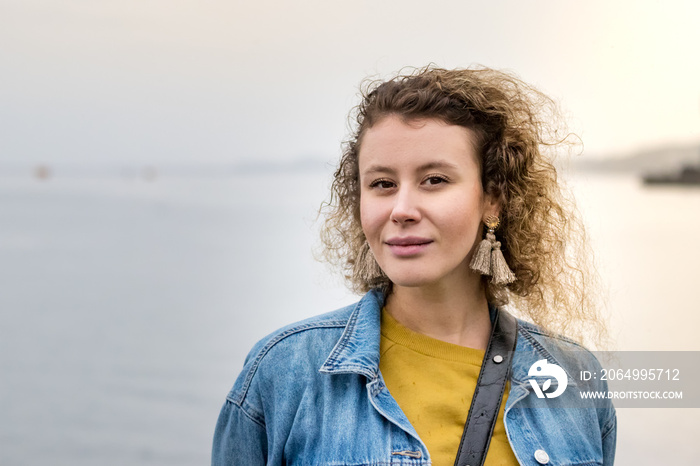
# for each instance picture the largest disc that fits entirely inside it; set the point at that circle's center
(366, 265)
(489, 260)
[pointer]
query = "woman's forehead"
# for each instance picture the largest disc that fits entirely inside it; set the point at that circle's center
(394, 143)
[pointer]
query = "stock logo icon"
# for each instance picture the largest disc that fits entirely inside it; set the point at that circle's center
(542, 368)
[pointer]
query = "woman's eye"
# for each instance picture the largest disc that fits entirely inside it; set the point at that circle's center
(433, 180)
(383, 184)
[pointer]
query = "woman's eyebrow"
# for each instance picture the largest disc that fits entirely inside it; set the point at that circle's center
(438, 164)
(378, 169)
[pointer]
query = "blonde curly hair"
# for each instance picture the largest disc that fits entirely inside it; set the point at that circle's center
(518, 132)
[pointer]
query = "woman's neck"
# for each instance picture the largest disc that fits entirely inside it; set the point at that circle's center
(456, 315)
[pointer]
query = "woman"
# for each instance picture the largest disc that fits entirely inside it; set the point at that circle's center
(444, 208)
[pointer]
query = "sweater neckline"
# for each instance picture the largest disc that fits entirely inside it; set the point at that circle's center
(394, 331)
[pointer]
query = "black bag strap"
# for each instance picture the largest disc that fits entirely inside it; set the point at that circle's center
(486, 402)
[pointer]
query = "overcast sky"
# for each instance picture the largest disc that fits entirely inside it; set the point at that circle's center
(218, 81)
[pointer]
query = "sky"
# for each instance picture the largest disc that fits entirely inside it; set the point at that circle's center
(223, 81)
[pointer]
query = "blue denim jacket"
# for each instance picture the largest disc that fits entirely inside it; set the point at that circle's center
(312, 394)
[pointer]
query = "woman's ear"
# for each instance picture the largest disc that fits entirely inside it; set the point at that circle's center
(492, 205)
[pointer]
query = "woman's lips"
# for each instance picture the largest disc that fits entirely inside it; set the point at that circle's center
(408, 246)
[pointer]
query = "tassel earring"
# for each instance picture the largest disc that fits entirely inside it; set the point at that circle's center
(366, 266)
(489, 260)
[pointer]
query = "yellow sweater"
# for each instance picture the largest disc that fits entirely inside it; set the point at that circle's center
(433, 382)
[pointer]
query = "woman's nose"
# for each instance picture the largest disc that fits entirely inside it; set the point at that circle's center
(406, 209)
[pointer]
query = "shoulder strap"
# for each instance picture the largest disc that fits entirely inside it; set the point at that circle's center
(486, 402)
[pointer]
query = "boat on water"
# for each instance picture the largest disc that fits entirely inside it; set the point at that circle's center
(687, 176)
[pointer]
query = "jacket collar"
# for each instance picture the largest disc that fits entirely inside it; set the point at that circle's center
(357, 350)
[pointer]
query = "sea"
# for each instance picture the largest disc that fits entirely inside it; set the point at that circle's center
(128, 303)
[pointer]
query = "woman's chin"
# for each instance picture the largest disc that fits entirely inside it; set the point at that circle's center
(413, 277)
(412, 280)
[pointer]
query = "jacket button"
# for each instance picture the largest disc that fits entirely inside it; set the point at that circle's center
(542, 457)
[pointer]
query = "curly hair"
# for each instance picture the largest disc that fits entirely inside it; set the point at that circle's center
(517, 132)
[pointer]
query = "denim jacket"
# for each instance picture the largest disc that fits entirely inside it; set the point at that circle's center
(312, 394)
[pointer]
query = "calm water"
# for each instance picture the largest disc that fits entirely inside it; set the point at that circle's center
(127, 306)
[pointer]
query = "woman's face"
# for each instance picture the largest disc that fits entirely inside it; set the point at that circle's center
(421, 200)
